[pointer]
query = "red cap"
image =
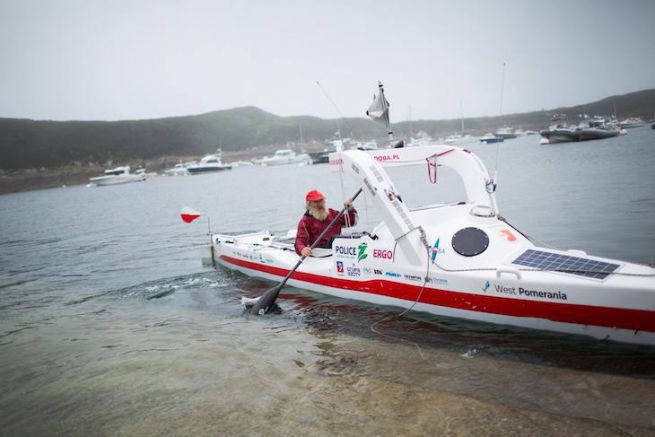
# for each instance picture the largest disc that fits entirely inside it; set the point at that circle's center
(314, 196)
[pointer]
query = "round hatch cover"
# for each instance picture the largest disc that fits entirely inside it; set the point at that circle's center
(470, 241)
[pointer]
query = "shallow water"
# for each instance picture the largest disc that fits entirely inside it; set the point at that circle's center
(110, 324)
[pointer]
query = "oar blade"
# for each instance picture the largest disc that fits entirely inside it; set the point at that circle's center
(267, 300)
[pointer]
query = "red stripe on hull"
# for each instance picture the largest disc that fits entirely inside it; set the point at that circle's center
(638, 320)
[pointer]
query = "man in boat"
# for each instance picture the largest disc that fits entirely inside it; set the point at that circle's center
(316, 218)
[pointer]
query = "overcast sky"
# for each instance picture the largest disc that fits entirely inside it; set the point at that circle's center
(110, 60)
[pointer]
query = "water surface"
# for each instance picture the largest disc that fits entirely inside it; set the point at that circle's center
(110, 324)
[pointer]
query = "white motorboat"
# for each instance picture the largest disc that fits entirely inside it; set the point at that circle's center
(458, 139)
(632, 122)
(460, 260)
(506, 133)
(241, 164)
(284, 157)
(209, 164)
(179, 170)
(118, 175)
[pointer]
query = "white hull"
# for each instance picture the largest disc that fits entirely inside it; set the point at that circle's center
(284, 157)
(275, 162)
(102, 181)
(459, 260)
(449, 299)
(209, 164)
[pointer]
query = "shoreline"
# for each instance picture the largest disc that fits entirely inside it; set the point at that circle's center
(31, 179)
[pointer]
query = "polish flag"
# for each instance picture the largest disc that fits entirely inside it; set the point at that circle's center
(189, 214)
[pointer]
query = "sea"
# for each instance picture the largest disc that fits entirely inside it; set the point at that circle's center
(113, 323)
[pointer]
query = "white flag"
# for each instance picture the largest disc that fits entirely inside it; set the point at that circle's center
(379, 108)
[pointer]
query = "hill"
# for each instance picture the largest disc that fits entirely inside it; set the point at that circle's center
(50, 144)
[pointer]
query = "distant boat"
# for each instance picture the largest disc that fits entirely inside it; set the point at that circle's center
(371, 145)
(241, 164)
(559, 134)
(459, 139)
(118, 175)
(630, 123)
(209, 164)
(178, 170)
(521, 132)
(323, 157)
(595, 129)
(506, 133)
(421, 141)
(491, 138)
(284, 157)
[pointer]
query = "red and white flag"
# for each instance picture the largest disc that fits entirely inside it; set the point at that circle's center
(189, 214)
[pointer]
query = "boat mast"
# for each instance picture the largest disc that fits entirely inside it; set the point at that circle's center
(502, 89)
(327, 96)
(411, 131)
(461, 115)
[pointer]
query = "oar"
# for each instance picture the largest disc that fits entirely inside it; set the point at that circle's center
(267, 300)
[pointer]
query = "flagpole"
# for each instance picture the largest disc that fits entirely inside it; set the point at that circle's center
(384, 100)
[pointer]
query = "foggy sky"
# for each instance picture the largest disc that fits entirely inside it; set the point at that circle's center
(110, 60)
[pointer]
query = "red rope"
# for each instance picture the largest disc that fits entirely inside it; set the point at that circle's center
(432, 165)
(432, 168)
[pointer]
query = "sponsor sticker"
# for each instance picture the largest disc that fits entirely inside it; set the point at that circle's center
(436, 250)
(383, 253)
(557, 295)
(361, 252)
(412, 277)
(392, 274)
(354, 271)
(385, 158)
(520, 291)
(345, 251)
(438, 281)
(505, 233)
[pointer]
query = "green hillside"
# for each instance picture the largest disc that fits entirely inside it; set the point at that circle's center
(28, 143)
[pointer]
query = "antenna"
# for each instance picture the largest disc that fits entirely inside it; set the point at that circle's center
(461, 114)
(335, 107)
(502, 89)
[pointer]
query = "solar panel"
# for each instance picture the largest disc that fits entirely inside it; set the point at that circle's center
(573, 265)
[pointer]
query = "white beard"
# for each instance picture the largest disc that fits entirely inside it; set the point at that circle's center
(319, 213)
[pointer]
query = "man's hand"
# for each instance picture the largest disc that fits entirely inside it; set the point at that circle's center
(305, 251)
(348, 203)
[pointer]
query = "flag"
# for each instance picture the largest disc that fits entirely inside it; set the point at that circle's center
(379, 108)
(189, 214)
